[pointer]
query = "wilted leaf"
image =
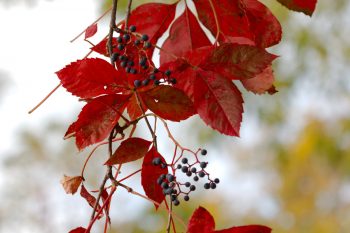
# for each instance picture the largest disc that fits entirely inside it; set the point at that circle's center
(71, 184)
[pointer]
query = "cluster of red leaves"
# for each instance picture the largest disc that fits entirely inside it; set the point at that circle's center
(204, 68)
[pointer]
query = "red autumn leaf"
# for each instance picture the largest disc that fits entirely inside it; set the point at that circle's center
(90, 77)
(231, 17)
(149, 175)
(246, 229)
(134, 109)
(305, 6)
(104, 196)
(71, 184)
(261, 83)
(168, 102)
(97, 119)
(101, 47)
(129, 150)
(91, 31)
(152, 19)
(203, 222)
(78, 230)
(236, 61)
(263, 24)
(185, 35)
(218, 102)
(91, 200)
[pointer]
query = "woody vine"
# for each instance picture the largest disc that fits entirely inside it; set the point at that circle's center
(196, 75)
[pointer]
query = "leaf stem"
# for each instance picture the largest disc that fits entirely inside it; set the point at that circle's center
(43, 100)
(216, 22)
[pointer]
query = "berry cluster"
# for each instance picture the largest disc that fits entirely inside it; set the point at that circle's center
(131, 55)
(174, 188)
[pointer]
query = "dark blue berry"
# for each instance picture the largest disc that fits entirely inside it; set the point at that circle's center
(176, 202)
(193, 169)
(179, 166)
(115, 57)
(119, 39)
(123, 64)
(120, 47)
(201, 173)
(164, 185)
(128, 70)
(168, 191)
(187, 184)
(137, 42)
(156, 82)
(167, 73)
(143, 61)
(203, 164)
(133, 71)
(131, 63)
(217, 180)
(186, 198)
(173, 197)
(144, 37)
(184, 169)
(145, 67)
(196, 178)
(163, 165)
(137, 83)
(207, 186)
(204, 152)
(184, 160)
(152, 77)
(123, 58)
(159, 181)
(145, 82)
(162, 176)
(192, 187)
(212, 185)
(189, 173)
(156, 161)
(126, 37)
(132, 28)
(170, 178)
(147, 45)
(155, 70)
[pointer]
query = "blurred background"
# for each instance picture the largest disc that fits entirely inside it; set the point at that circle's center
(290, 169)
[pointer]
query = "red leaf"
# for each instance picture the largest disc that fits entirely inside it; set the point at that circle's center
(129, 150)
(152, 19)
(169, 103)
(305, 6)
(261, 83)
(201, 222)
(97, 119)
(236, 61)
(263, 24)
(185, 35)
(149, 175)
(90, 77)
(78, 230)
(91, 200)
(134, 109)
(91, 31)
(104, 196)
(101, 47)
(218, 102)
(246, 229)
(71, 184)
(231, 17)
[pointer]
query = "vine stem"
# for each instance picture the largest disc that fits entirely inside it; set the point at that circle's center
(43, 100)
(128, 15)
(98, 19)
(111, 29)
(216, 22)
